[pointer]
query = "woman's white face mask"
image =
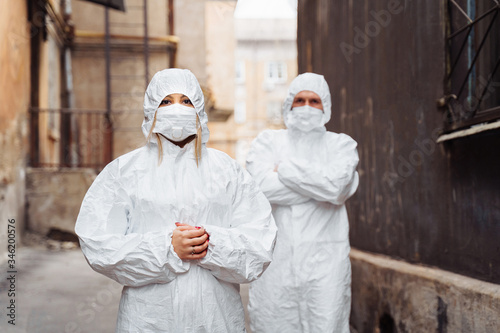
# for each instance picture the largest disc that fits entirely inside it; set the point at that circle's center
(305, 118)
(176, 122)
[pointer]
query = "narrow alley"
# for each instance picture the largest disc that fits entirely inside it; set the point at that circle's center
(360, 139)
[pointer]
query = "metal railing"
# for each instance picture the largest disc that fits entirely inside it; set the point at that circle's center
(70, 138)
(473, 61)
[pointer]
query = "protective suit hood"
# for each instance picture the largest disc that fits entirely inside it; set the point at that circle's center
(174, 81)
(310, 82)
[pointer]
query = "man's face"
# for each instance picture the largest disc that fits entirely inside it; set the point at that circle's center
(176, 99)
(306, 97)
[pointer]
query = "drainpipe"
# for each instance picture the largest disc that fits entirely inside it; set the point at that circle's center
(70, 156)
(171, 31)
(108, 134)
(146, 43)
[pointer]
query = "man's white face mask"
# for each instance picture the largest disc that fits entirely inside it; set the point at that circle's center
(305, 118)
(176, 122)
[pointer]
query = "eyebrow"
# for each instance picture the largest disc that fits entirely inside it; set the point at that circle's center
(170, 97)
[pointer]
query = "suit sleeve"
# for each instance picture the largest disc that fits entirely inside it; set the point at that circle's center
(131, 259)
(241, 252)
(260, 163)
(334, 181)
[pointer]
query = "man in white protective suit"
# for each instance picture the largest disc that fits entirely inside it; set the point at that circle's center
(307, 173)
(179, 225)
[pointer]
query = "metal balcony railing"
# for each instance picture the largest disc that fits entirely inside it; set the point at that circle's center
(70, 138)
(473, 61)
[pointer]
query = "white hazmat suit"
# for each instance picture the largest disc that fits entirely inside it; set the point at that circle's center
(307, 175)
(127, 218)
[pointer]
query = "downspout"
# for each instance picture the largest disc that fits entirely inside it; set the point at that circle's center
(171, 31)
(72, 138)
(67, 55)
(108, 134)
(74, 135)
(146, 44)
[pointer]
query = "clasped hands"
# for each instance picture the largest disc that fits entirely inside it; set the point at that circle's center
(190, 243)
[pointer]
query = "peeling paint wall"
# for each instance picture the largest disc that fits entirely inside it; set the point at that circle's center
(15, 97)
(219, 60)
(55, 197)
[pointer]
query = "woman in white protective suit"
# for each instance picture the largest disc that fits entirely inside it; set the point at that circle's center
(307, 173)
(179, 225)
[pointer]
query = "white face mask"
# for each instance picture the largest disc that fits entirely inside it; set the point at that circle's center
(305, 118)
(176, 122)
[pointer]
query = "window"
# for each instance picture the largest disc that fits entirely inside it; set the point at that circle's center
(473, 61)
(276, 71)
(240, 71)
(240, 114)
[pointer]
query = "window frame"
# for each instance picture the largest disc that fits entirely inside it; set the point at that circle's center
(465, 91)
(272, 71)
(240, 112)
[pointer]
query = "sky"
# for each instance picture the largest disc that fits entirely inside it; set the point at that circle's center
(250, 9)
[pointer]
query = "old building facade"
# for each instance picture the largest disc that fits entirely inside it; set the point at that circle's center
(15, 96)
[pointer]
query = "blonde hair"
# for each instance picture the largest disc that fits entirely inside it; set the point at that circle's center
(197, 141)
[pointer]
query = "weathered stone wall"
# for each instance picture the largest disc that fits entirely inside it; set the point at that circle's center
(394, 296)
(12, 178)
(14, 96)
(55, 196)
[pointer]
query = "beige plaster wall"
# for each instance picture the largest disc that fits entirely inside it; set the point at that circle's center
(220, 46)
(15, 97)
(50, 98)
(189, 26)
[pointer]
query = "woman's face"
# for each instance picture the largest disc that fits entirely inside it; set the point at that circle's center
(176, 99)
(306, 97)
